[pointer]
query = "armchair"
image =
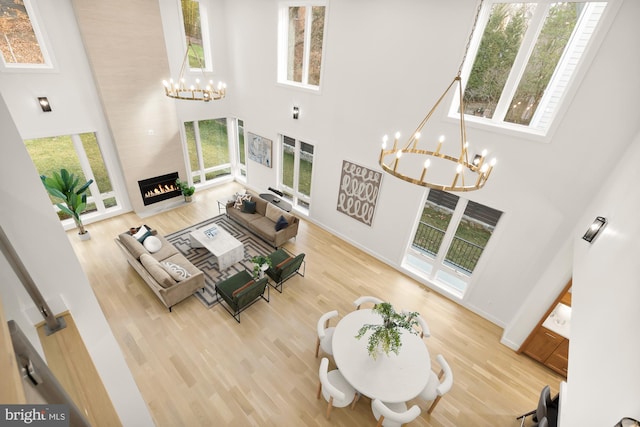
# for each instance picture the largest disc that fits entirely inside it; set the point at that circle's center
(240, 291)
(285, 266)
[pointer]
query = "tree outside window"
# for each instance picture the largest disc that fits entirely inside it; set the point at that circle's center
(196, 31)
(20, 43)
(301, 44)
(525, 60)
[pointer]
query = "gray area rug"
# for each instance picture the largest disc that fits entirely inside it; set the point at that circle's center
(206, 262)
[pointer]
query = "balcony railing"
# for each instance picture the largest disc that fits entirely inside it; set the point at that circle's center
(462, 254)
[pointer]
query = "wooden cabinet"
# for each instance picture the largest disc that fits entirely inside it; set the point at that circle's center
(546, 346)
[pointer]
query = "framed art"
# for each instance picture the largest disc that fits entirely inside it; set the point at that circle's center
(259, 149)
(358, 193)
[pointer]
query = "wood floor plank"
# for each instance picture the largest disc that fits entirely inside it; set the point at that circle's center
(198, 366)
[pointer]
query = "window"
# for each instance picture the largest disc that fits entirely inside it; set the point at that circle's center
(241, 154)
(451, 235)
(525, 61)
(208, 149)
(296, 171)
(301, 43)
(196, 34)
(80, 155)
(20, 39)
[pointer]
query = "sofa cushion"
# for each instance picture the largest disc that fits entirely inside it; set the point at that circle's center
(156, 271)
(264, 228)
(152, 244)
(142, 234)
(273, 212)
(280, 224)
(248, 207)
(166, 250)
(178, 273)
(133, 245)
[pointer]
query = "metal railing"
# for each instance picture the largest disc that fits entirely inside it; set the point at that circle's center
(462, 254)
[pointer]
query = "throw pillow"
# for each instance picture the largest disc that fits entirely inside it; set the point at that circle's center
(248, 207)
(152, 244)
(177, 272)
(282, 223)
(156, 271)
(142, 234)
(241, 198)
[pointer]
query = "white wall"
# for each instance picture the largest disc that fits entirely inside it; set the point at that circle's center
(35, 233)
(385, 65)
(604, 373)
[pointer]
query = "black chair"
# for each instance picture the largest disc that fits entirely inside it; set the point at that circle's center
(546, 414)
(284, 266)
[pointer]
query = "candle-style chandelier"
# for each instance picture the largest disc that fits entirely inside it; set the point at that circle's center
(427, 164)
(200, 91)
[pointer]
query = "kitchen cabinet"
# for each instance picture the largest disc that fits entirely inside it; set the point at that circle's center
(548, 342)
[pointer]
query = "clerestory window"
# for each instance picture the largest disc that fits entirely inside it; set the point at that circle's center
(196, 31)
(21, 40)
(523, 59)
(301, 40)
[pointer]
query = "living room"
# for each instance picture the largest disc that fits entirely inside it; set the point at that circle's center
(548, 208)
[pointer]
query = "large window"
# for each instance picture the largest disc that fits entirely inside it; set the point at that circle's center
(451, 235)
(21, 41)
(196, 34)
(301, 41)
(525, 60)
(296, 171)
(208, 149)
(241, 153)
(80, 155)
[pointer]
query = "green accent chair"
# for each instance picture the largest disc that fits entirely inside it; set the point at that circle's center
(240, 291)
(284, 266)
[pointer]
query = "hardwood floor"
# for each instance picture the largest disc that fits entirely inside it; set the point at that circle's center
(198, 367)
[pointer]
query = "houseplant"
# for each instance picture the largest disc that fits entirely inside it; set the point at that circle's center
(260, 265)
(187, 191)
(64, 185)
(385, 337)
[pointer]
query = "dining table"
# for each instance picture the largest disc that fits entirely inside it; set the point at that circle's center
(391, 378)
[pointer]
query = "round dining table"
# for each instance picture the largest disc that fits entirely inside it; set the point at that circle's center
(391, 378)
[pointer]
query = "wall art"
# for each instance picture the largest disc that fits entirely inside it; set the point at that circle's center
(358, 193)
(259, 149)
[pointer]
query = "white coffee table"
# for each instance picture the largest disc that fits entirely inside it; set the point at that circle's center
(227, 249)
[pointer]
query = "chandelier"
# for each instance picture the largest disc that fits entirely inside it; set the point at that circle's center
(427, 163)
(200, 91)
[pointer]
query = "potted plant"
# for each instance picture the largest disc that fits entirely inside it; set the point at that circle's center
(64, 185)
(260, 265)
(187, 191)
(385, 337)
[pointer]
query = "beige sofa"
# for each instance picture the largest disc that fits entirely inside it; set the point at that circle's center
(263, 221)
(166, 271)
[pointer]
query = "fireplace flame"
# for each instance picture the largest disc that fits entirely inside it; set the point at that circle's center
(160, 189)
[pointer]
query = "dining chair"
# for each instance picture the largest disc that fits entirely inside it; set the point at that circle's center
(436, 388)
(325, 333)
(393, 414)
(366, 299)
(334, 388)
(422, 324)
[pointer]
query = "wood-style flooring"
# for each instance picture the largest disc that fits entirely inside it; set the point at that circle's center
(199, 367)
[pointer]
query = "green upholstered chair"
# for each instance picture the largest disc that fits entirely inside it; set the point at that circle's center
(284, 266)
(240, 291)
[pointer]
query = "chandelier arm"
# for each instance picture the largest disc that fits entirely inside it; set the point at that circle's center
(429, 114)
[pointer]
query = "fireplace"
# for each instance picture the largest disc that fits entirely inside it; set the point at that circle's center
(159, 188)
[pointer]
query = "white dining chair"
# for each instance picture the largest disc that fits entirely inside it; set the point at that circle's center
(334, 388)
(325, 333)
(422, 324)
(393, 414)
(437, 386)
(366, 299)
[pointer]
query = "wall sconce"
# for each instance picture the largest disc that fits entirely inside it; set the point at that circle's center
(594, 229)
(44, 104)
(296, 112)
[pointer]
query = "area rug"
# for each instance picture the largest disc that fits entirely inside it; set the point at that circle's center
(202, 258)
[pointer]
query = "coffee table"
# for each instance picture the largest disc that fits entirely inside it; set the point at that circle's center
(223, 246)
